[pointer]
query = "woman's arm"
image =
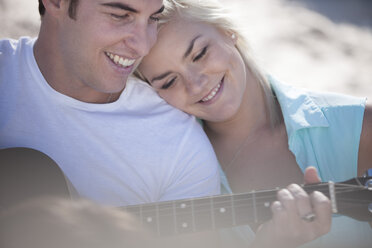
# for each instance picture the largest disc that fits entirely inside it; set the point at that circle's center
(365, 146)
(298, 218)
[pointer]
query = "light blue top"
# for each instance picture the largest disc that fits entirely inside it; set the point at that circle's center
(324, 131)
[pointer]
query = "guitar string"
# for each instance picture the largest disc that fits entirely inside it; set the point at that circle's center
(245, 213)
(237, 202)
(339, 191)
(340, 188)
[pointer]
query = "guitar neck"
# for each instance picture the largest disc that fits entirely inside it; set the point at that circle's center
(198, 214)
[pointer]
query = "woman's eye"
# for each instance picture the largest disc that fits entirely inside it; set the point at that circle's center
(201, 54)
(168, 84)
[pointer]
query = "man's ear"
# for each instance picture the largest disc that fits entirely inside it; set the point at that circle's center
(54, 7)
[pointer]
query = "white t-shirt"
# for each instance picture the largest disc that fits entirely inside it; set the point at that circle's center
(135, 150)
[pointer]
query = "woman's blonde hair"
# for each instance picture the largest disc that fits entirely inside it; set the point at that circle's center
(212, 12)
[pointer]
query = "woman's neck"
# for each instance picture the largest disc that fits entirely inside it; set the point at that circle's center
(251, 116)
(249, 123)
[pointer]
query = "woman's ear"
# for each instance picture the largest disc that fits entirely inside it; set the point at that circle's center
(232, 36)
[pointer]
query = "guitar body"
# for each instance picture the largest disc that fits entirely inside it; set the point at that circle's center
(26, 173)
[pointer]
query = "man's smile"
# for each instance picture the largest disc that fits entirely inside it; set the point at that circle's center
(121, 61)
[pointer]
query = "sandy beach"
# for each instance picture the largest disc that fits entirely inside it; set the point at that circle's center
(317, 44)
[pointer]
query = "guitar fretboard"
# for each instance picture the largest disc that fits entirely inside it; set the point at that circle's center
(352, 198)
(194, 215)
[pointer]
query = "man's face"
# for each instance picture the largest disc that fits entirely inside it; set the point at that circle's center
(105, 42)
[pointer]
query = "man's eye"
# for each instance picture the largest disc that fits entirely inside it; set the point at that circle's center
(168, 84)
(119, 17)
(154, 19)
(201, 54)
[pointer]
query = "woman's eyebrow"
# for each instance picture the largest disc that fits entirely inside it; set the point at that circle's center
(187, 53)
(160, 76)
(191, 46)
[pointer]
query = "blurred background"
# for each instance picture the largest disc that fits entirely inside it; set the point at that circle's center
(316, 44)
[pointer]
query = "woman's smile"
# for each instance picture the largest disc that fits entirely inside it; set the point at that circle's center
(213, 94)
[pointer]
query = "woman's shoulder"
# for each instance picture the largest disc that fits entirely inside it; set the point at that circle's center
(323, 99)
(326, 99)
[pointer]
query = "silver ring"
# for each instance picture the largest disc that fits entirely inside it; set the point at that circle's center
(310, 217)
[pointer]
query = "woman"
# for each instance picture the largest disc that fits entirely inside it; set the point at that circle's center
(257, 126)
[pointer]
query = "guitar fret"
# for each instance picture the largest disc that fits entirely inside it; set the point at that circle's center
(149, 217)
(204, 219)
(212, 214)
(254, 206)
(166, 222)
(263, 204)
(222, 211)
(157, 218)
(233, 210)
(244, 209)
(193, 215)
(184, 216)
(174, 217)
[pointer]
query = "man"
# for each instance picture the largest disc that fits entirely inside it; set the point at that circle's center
(69, 94)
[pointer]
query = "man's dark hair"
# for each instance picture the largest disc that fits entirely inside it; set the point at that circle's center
(71, 8)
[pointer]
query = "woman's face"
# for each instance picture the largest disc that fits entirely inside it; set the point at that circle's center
(196, 68)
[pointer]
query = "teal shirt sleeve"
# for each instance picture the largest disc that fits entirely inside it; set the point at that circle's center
(323, 129)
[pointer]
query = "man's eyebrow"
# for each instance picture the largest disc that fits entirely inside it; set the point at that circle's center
(121, 6)
(160, 76)
(159, 11)
(191, 46)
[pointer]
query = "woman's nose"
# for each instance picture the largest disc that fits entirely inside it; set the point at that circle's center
(196, 82)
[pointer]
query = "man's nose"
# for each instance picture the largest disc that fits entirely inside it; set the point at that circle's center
(141, 38)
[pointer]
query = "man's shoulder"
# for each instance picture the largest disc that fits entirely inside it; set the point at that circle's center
(140, 84)
(15, 51)
(142, 94)
(8, 45)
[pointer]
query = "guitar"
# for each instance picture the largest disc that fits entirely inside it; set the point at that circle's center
(351, 198)
(30, 173)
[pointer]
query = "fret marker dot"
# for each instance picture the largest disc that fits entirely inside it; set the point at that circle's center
(183, 205)
(267, 204)
(222, 210)
(184, 225)
(149, 219)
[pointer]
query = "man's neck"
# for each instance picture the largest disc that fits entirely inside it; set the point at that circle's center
(51, 67)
